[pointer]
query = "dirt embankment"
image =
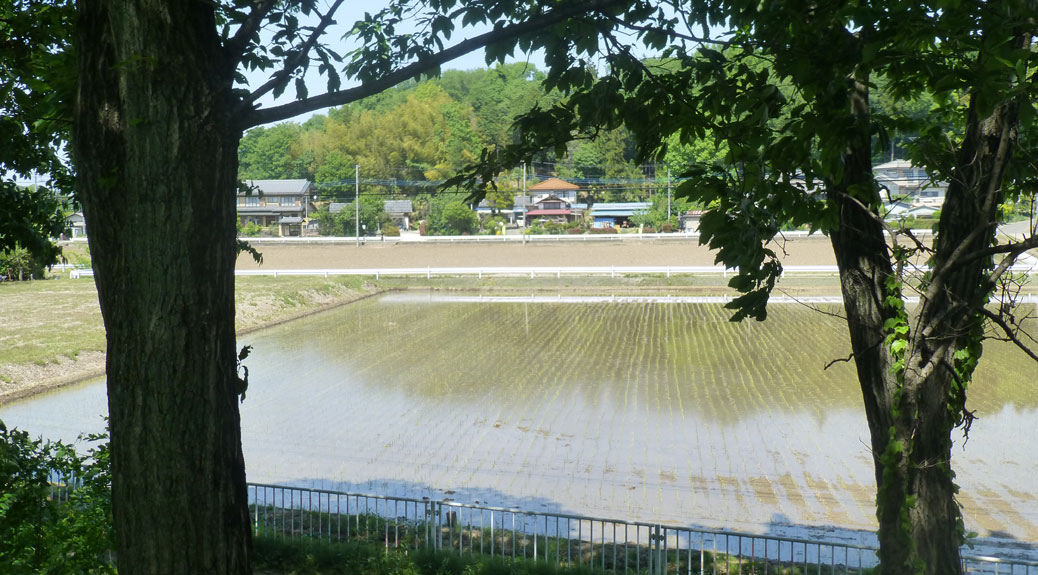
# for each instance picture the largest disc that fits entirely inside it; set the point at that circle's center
(806, 251)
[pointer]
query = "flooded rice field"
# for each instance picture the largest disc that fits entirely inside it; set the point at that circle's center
(659, 411)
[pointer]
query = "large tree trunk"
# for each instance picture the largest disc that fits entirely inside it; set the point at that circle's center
(919, 520)
(156, 152)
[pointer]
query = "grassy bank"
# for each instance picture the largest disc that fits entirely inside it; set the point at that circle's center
(51, 331)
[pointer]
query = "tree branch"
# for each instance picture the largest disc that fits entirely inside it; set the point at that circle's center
(280, 79)
(675, 34)
(1014, 249)
(257, 117)
(957, 258)
(235, 46)
(1008, 330)
(839, 360)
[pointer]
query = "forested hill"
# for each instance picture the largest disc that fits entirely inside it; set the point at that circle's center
(427, 130)
(424, 131)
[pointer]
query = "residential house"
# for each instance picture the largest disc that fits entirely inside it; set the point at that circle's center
(910, 184)
(509, 214)
(399, 212)
(615, 214)
(553, 209)
(895, 210)
(554, 187)
(76, 225)
(521, 205)
(283, 205)
(689, 221)
(923, 211)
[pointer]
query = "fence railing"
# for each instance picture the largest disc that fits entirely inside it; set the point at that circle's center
(606, 545)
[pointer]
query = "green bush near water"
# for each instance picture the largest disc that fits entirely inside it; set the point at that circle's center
(313, 557)
(310, 557)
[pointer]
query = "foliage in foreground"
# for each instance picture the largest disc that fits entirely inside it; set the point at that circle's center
(48, 529)
(311, 557)
(322, 558)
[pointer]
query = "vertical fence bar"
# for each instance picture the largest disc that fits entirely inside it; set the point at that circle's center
(714, 540)
(569, 539)
(580, 542)
(591, 546)
(627, 552)
(637, 548)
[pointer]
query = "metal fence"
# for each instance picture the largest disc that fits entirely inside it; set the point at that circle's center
(603, 545)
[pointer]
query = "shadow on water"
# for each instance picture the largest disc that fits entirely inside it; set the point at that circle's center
(780, 527)
(780, 540)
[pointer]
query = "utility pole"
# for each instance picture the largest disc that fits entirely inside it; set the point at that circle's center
(668, 194)
(356, 201)
(524, 200)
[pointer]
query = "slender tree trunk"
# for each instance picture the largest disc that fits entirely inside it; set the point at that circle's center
(156, 151)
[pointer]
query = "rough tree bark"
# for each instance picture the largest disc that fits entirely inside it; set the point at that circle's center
(156, 152)
(915, 397)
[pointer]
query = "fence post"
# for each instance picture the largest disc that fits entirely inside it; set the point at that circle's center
(428, 523)
(656, 557)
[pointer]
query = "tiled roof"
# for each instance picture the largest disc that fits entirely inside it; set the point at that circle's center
(548, 213)
(279, 187)
(399, 206)
(554, 184)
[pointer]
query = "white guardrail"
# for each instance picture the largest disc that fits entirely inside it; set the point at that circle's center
(537, 271)
(520, 238)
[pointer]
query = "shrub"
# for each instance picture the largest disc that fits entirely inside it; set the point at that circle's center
(607, 230)
(390, 230)
(574, 231)
(554, 227)
(18, 264)
(39, 533)
(251, 230)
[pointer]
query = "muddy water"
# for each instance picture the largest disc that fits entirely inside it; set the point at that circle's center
(650, 411)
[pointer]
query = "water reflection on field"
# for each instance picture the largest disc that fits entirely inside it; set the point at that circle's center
(653, 411)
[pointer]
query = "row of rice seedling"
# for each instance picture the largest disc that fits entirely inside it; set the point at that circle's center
(649, 410)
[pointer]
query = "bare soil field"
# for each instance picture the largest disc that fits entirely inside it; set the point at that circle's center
(806, 251)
